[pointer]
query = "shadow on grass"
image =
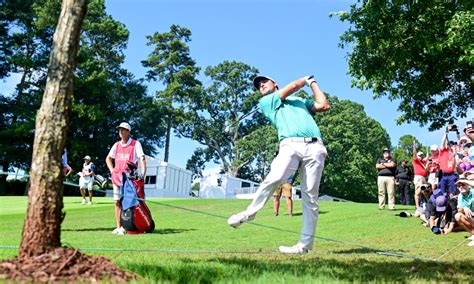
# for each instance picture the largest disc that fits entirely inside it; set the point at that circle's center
(171, 231)
(305, 268)
(156, 231)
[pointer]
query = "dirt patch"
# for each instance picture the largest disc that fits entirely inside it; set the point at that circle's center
(63, 265)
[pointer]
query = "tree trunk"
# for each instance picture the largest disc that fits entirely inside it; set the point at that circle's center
(42, 228)
(168, 137)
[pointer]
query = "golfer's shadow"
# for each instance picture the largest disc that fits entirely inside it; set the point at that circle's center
(164, 231)
(300, 213)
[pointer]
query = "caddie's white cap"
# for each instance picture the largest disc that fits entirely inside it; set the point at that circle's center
(256, 80)
(434, 147)
(125, 125)
(87, 158)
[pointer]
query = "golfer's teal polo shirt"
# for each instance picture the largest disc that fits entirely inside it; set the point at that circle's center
(291, 117)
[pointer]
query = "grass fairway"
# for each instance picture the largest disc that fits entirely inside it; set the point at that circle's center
(197, 245)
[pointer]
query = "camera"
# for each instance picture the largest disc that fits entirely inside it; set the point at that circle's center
(453, 127)
(425, 187)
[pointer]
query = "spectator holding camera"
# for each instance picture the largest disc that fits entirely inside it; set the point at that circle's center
(465, 216)
(425, 194)
(403, 176)
(419, 169)
(386, 179)
(447, 163)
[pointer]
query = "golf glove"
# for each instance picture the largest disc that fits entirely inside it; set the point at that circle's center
(309, 80)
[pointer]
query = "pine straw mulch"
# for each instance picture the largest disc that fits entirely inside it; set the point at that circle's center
(63, 265)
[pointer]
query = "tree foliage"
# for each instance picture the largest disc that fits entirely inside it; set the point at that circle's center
(171, 64)
(223, 114)
(418, 52)
(354, 142)
(105, 93)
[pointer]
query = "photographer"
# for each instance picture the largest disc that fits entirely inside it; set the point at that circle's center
(425, 194)
(442, 213)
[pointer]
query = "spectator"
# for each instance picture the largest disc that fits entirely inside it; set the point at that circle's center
(420, 212)
(86, 181)
(403, 176)
(432, 167)
(464, 216)
(66, 167)
(447, 164)
(284, 189)
(124, 151)
(386, 179)
(442, 214)
(419, 169)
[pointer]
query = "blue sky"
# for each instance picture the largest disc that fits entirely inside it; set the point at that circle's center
(284, 39)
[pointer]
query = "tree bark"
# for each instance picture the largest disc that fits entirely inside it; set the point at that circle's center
(42, 228)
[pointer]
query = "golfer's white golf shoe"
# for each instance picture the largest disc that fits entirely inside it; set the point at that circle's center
(296, 249)
(238, 219)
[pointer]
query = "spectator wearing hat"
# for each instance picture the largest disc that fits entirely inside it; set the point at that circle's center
(448, 165)
(86, 181)
(432, 167)
(125, 151)
(386, 179)
(403, 175)
(465, 215)
(442, 213)
(419, 170)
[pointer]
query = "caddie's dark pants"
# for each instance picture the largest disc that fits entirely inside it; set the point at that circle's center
(403, 191)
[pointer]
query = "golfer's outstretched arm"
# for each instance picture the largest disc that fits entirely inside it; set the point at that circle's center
(321, 103)
(292, 88)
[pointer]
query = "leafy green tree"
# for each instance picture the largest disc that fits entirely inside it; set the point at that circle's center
(418, 52)
(171, 64)
(104, 93)
(354, 142)
(223, 114)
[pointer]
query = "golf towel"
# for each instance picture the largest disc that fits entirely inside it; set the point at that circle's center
(128, 192)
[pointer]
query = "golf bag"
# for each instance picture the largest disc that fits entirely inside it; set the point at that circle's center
(135, 216)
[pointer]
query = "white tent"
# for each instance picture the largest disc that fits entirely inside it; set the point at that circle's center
(166, 180)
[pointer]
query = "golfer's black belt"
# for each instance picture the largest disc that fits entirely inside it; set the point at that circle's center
(304, 139)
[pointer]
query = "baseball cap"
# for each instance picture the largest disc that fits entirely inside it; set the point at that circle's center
(441, 203)
(420, 153)
(256, 80)
(125, 125)
(465, 139)
(87, 158)
(386, 150)
(434, 147)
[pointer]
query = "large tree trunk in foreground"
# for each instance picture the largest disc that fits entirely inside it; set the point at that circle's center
(41, 231)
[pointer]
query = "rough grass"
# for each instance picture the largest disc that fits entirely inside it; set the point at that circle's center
(192, 243)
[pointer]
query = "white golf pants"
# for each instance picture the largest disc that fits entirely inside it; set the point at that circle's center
(308, 158)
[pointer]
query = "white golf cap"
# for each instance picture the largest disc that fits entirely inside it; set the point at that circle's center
(87, 158)
(125, 125)
(256, 80)
(434, 147)
(420, 154)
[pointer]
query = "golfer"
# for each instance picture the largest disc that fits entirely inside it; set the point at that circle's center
(301, 148)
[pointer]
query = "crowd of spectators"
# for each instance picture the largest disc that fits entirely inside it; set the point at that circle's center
(443, 181)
